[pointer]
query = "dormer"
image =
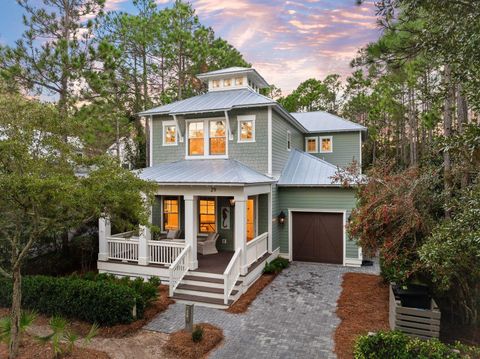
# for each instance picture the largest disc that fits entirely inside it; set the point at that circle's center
(233, 78)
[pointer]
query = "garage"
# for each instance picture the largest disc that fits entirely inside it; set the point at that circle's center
(317, 237)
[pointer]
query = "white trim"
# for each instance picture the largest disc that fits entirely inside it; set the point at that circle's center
(269, 140)
(289, 140)
(206, 138)
(150, 144)
(320, 144)
(245, 118)
(229, 128)
(316, 144)
(290, 237)
(360, 159)
(270, 218)
(165, 124)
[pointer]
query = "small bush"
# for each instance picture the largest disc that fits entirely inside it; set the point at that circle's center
(103, 302)
(396, 345)
(276, 266)
(197, 334)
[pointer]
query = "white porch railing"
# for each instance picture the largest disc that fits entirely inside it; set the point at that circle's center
(256, 248)
(231, 274)
(179, 268)
(163, 252)
(122, 248)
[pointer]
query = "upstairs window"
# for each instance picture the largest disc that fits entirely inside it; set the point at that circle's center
(215, 84)
(169, 133)
(311, 144)
(246, 128)
(326, 144)
(227, 82)
(196, 139)
(170, 214)
(217, 138)
(289, 140)
(239, 81)
(207, 218)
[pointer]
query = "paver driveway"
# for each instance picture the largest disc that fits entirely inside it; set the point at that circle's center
(294, 317)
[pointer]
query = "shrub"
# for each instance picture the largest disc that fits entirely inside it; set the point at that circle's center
(102, 302)
(197, 334)
(276, 266)
(396, 345)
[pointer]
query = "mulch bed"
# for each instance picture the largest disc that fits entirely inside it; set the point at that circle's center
(362, 308)
(181, 344)
(32, 349)
(242, 304)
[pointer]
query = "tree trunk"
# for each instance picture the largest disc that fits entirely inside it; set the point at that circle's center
(16, 313)
(447, 132)
(462, 116)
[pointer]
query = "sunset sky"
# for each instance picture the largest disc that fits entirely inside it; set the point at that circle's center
(286, 41)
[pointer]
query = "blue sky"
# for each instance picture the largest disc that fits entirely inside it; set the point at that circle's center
(287, 41)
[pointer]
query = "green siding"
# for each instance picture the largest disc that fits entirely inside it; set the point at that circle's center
(316, 198)
(262, 213)
(346, 147)
(275, 225)
(280, 153)
(225, 233)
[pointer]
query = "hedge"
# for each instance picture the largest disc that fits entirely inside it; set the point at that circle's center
(102, 302)
(396, 345)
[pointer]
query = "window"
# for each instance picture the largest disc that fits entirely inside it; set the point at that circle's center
(227, 82)
(207, 215)
(170, 213)
(239, 81)
(217, 138)
(289, 140)
(326, 144)
(311, 144)
(215, 84)
(246, 128)
(169, 133)
(195, 139)
(251, 223)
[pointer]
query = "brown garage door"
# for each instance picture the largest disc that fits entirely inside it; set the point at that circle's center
(317, 237)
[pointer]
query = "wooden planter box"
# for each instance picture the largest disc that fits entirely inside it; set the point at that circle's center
(423, 323)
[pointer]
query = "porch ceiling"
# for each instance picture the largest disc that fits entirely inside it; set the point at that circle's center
(203, 172)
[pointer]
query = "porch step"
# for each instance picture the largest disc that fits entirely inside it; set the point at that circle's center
(206, 274)
(202, 301)
(203, 291)
(206, 281)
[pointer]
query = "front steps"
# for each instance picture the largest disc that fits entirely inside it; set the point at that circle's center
(205, 289)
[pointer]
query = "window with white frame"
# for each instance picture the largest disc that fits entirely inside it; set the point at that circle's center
(227, 82)
(311, 144)
(206, 138)
(246, 128)
(207, 215)
(238, 81)
(289, 140)
(169, 133)
(326, 144)
(215, 83)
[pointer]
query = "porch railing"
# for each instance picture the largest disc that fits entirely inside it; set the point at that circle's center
(231, 274)
(122, 248)
(165, 253)
(179, 268)
(256, 248)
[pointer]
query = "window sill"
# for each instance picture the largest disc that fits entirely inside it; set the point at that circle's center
(206, 157)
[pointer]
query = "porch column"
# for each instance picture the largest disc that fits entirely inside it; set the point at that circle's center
(191, 228)
(104, 231)
(145, 235)
(270, 219)
(240, 231)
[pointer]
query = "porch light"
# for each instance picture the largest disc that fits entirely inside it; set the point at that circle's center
(232, 202)
(281, 217)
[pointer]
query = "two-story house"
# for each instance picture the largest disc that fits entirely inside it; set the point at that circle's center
(239, 181)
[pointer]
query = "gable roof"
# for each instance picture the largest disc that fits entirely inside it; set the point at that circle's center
(213, 101)
(305, 170)
(251, 73)
(320, 121)
(202, 172)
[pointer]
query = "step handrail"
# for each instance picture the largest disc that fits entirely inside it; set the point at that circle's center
(231, 274)
(178, 269)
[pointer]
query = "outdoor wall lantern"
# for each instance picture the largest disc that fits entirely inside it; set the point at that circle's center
(232, 202)
(281, 217)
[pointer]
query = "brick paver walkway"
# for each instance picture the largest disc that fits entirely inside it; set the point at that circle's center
(294, 317)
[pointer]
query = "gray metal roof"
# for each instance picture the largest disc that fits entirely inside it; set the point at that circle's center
(303, 169)
(201, 172)
(320, 121)
(251, 73)
(213, 101)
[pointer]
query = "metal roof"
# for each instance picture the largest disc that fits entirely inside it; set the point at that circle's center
(213, 101)
(251, 73)
(303, 169)
(201, 172)
(320, 121)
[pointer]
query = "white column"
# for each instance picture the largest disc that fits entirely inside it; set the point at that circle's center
(104, 231)
(240, 231)
(145, 235)
(270, 219)
(191, 228)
